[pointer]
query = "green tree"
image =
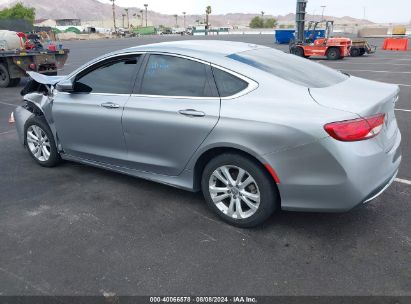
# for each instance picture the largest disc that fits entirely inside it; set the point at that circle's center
(18, 11)
(270, 23)
(257, 22)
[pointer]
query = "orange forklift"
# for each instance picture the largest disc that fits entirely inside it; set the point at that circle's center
(331, 47)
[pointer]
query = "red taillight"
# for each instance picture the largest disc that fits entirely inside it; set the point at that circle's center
(32, 66)
(356, 129)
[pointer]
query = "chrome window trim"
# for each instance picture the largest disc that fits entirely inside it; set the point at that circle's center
(175, 97)
(252, 84)
(97, 93)
(72, 75)
(178, 97)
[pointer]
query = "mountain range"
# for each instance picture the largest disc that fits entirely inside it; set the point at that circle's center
(88, 10)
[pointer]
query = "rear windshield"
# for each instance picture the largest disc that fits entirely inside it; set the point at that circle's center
(290, 67)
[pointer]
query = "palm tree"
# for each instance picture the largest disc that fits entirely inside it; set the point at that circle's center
(184, 14)
(262, 14)
(146, 5)
(176, 16)
(128, 19)
(123, 15)
(208, 12)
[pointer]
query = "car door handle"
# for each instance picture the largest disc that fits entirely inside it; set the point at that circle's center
(191, 113)
(110, 105)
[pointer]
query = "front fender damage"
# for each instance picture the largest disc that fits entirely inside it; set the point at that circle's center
(35, 104)
(38, 95)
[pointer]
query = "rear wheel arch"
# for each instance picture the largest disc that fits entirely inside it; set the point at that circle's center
(211, 153)
(246, 206)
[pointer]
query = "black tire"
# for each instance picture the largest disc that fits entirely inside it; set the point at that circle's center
(298, 51)
(4, 76)
(333, 53)
(355, 52)
(14, 82)
(40, 122)
(264, 186)
(362, 52)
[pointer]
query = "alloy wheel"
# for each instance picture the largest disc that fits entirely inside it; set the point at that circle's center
(38, 143)
(234, 191)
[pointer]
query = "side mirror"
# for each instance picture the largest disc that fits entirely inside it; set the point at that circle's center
(65, 86)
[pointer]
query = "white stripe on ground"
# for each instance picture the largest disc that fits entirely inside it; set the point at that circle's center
(404, 110)
(6, 132)
(403, 181)
(404, 85)
(8, 104)
(372, 63)
(373, 71)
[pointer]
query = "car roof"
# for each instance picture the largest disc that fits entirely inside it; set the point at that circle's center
(213, 51)
(208, 50)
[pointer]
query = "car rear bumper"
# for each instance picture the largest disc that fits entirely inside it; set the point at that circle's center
(333, 176)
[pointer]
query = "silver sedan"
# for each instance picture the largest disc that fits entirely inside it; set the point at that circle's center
(252, 127)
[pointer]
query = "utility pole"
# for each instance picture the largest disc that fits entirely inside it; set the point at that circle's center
(128, 19)
(142, 17)
(322, 14)
(184, 15)
(123, 15)
(114, 16)
(176, 16)
(146, 5)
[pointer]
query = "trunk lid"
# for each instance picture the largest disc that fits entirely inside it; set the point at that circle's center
(364, 98)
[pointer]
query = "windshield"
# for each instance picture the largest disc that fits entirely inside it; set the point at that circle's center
(290, 67)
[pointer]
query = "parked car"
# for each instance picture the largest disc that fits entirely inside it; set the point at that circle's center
(254, 128)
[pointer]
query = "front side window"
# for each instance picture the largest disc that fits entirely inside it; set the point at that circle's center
(113, 77)
(174, 76)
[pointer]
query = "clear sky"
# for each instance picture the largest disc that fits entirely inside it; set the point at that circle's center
(375, 10)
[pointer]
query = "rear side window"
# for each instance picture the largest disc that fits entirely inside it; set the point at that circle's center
(113, 77)
(228, 84)
(174, 76)
(290, 67)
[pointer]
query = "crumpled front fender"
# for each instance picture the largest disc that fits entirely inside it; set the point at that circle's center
(36, 104)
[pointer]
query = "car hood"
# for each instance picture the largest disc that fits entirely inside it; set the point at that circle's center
(44, 79)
